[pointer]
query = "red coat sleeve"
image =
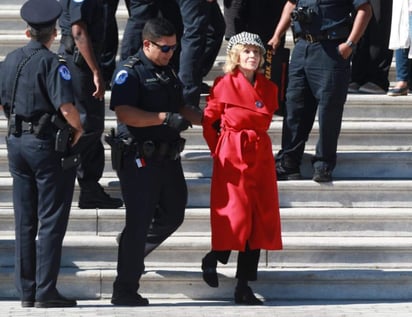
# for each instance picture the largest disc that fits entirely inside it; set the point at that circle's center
(211, 118)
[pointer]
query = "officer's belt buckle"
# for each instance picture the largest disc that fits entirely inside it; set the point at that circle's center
(310, 38)
(148, 149)
(26, 127)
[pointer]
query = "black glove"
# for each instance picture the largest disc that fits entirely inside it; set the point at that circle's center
(176, 121)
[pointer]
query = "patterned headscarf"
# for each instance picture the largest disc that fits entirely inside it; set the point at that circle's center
(246, 38)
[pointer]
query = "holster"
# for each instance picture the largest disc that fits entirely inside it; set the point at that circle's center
(119, 147)
(78, 58)
(71, 48)
(64, 134)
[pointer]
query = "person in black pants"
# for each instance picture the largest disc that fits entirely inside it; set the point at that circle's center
(147, 98)
(204, 27)
(82, 39)
(111, 41)
(140, 12)
(259, 17)
(319, 74)
(35, 86)
(372, 58)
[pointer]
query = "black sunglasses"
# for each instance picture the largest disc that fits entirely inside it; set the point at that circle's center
(164, 48)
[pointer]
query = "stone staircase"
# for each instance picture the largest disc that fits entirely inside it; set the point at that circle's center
(349, 239)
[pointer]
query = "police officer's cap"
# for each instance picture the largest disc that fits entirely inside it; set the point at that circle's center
(246, 38)
(40, 13)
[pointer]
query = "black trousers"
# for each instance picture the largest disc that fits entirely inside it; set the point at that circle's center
(247, 262)
(92, 118)
(259, 17)
(42, 195)
(140, 12)
(318, 84)
(372, 58)
(111, 40)
(155, 197)
(204, 28)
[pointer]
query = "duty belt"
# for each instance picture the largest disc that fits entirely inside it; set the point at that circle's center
(39, 125)
(328, 35)
(161, 150)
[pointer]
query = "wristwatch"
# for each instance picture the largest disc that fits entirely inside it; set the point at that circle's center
(350, 44)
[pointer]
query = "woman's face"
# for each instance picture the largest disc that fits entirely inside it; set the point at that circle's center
(249, 58)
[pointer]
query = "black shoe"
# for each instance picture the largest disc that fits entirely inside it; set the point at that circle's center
(246, 297)
(287, 173)
(209, 264)
(27, 303)
(124, 299)
(97, 198)
(322, 175)
(59, 301)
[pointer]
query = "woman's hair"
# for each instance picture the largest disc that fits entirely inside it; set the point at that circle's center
(42, 35)
(232, 58)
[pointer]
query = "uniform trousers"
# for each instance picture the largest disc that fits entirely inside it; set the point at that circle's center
(92, 118)
(204, 27)
(155, 197)
(318, 81)
(42, 195)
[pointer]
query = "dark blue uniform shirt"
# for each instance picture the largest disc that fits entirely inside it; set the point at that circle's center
(47, 93)
(148, 87)
(327, 14)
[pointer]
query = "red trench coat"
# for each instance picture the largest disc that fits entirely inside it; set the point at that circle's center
(244, 197)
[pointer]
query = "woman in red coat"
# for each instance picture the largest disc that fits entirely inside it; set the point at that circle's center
(244, 197)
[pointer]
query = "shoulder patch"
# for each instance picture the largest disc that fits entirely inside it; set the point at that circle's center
(64, 72)
(121, 77)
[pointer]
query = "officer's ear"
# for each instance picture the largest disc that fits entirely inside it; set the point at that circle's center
(27, 32)
(146, 44)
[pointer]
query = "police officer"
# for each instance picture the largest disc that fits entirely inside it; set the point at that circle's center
(35, 85)
(82, 25)
(318, 78)
(147, 99)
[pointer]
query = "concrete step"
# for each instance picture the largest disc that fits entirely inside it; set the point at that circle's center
(385, 165)
(273, 284)
(300, 193)
(296, 222)
(187, 251)
(354, 136)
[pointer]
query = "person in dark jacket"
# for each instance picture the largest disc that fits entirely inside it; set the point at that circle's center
(35, 86)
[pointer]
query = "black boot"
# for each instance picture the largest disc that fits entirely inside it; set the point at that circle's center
(209, 264)
(95, 197)
(123, 296)
(245, 296)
